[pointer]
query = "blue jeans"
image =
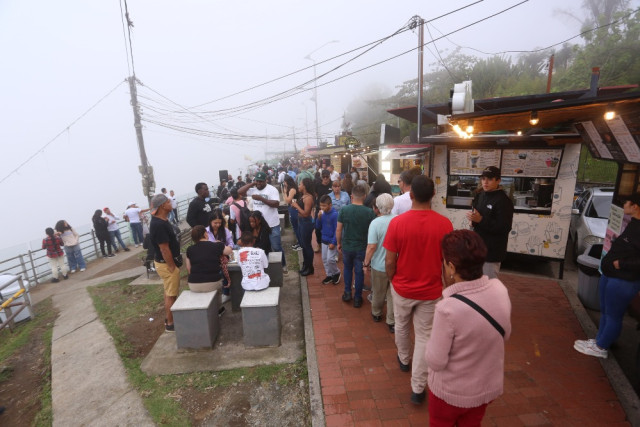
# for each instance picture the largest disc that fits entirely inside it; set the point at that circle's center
(136, 230)
(276, 243)
(116, 235)
(305, 230)
(353, 260)
(74, 257)
(615, 296)
(293, 217)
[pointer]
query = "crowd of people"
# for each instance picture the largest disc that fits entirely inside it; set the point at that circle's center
(430, 284)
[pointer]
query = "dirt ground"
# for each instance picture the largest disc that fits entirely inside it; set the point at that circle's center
(21, 376)
(119, 265)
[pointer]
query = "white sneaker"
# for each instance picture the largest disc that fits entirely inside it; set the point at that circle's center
(370, 297)
(83, 269)
(583, 343)
(225, 298)
(285, 271)
(72, 271)
(591, 349)
(136, 246)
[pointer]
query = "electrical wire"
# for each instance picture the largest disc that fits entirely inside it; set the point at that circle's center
(129, 26)
(453, 78)
(548, 47)
(124, 35)
(66, 129)
(332, 58)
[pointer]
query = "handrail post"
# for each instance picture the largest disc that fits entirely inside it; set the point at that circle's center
(33, 268)
(95, 246)
(24, 267)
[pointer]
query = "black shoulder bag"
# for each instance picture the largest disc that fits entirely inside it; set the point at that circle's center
(480, 310)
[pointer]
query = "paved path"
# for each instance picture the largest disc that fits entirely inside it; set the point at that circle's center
(89, 382)
(546, 381)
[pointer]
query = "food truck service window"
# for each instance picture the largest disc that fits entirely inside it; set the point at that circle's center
(528, 176)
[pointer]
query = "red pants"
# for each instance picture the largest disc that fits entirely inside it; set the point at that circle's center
(442, 414)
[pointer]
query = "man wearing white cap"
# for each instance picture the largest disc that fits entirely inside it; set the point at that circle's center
(133, 212)
(167, 258)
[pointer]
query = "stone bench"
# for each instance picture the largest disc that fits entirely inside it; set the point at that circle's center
(282, 223)
(195, 317)
(261, 318)
(235, 274)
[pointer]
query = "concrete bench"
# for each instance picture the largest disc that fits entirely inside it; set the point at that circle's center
(261, 318)
(195, 317)
(235, 274)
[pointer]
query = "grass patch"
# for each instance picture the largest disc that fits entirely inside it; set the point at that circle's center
(20, 346)
(119, 306)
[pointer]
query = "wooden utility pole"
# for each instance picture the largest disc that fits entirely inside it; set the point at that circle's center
(550, 74)
(148, 182)
(420, 23)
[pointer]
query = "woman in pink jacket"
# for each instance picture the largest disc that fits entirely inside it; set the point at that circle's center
(465, 353)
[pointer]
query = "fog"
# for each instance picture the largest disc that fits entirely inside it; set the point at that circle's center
(61, 58)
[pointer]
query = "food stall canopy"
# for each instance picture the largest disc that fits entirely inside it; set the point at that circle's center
(482, 106)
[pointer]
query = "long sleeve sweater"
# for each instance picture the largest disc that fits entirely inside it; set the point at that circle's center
(465, 353)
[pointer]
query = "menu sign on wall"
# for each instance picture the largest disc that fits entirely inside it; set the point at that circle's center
(611, 139)
(472, 161)
(541, 163)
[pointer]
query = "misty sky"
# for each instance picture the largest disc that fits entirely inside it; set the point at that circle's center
(60, 58)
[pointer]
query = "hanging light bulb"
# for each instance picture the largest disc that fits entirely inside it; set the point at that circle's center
(533, 119)
(610, 114)
(519, 133)
(469, 128)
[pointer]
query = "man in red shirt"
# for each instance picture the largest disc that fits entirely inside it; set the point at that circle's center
(414, 268)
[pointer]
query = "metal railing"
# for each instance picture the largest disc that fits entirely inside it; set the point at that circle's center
(33, 266)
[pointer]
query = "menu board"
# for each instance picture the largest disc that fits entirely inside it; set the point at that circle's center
(543, 163)
(612, 139)
(593, 139)
(627, 143)
(472, 161)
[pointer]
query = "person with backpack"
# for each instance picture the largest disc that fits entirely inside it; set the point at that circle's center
(238, 215)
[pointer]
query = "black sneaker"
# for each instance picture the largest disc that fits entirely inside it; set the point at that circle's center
(127, 249)
(366, 288)
(418, 398)
(392, 328)
(327, 280)
(403, 367)
(221, 311)
(336, 278)
(169, 328)
(295, 247)
(376, 318)
(357, 302)
(66, 276)
(346, 297)
(111, 255)
(56, 280)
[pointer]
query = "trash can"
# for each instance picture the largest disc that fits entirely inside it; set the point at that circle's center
(589, 277)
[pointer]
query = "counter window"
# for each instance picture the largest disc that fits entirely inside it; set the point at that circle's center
(533, 195)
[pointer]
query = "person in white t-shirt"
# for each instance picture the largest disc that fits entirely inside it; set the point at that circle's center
(252, 262)
(266, 199)
(402, 203)
(133, 213)
(174, 205)
(335, 176)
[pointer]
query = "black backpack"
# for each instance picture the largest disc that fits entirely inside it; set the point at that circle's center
(244, 217)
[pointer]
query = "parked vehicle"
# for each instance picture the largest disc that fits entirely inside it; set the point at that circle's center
(589, 218)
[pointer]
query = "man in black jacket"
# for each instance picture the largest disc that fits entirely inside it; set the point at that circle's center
(491, 216)
(200, 207)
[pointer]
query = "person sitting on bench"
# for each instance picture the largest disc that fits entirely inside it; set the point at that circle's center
(252, 262)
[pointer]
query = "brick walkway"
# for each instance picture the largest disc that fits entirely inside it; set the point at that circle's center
(546, 381)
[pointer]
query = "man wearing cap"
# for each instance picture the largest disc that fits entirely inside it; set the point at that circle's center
(491, 217)
(266, 199)
(133, 212)
(200, 207)
(114, 230)
(167, 248)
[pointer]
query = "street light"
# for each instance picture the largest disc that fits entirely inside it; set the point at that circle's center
(315, 86)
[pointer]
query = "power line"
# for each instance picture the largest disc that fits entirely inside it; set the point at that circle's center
(41, 149)
(548, 47)
(124, 34)
(332, 58)
(129, 26)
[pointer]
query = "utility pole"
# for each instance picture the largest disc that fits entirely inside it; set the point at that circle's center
(420, 22)
(550, 73)
(295, 147)
(148, 182)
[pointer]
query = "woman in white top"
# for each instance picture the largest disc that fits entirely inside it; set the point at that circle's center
(71, 241)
